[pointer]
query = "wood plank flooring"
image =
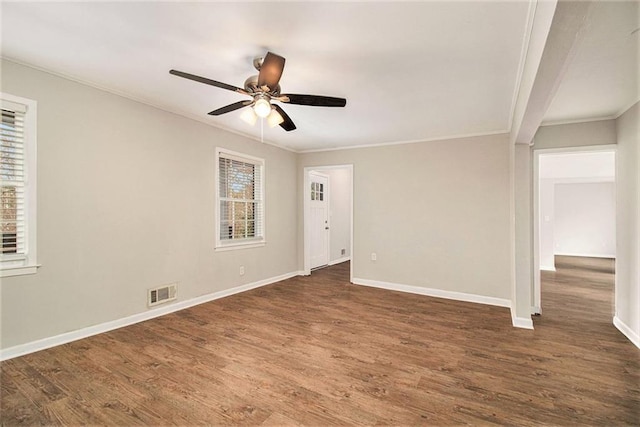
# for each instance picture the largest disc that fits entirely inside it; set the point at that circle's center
(319, 351)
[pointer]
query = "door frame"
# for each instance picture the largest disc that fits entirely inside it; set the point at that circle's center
(306, 195)
(536, 302)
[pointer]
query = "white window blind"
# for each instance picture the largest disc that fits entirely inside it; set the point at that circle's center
(240, 199)
(18, 222)
(12, 179)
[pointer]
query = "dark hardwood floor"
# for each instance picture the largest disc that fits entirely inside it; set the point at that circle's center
(319, 351)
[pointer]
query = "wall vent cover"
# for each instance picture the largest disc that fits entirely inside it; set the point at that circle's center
(162, 294)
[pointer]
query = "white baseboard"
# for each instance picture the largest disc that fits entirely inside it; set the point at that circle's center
(585, 255)
(43, 344)
(626, 331)
(340, 260)
(521, 322)
(535, 310)
(548, 268)
(431, 292)
(518, 322)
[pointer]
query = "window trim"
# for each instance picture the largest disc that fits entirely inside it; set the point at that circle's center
(21, 264)
(234, 244)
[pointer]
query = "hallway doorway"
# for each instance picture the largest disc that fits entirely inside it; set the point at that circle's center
(328, 216)
(574, 209)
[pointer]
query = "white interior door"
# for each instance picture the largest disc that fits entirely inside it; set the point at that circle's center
(319, 219)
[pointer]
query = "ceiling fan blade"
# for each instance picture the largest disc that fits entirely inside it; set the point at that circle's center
(287, 124)
(230, 107)
(314, 100)
(207, 81)
(271, 70)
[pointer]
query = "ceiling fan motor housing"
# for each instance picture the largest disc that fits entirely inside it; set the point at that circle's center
(257, 62)
(251, 86)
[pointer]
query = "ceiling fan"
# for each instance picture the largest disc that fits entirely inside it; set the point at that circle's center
(263, 89)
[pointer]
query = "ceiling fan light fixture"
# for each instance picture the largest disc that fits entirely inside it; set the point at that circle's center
(262, 107)
(249, 116)
(274, 118)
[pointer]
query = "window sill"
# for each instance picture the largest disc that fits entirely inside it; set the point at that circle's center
(236, 246)
(19, 271)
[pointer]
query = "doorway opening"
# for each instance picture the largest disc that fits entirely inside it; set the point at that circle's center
(574, 209)
(328, 216)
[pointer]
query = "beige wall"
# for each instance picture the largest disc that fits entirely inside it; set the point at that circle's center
(126, 203)
(435, 213)
(601, 132)
(585, 219)
(628, 221)
(523, 268)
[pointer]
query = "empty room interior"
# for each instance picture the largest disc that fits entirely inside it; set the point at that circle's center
(320, 213)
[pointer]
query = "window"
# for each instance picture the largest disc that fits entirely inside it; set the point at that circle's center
(17, 186)
(317, 191)
(240, 200)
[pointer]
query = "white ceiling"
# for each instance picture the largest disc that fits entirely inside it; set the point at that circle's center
(410, 71)
(602, 79)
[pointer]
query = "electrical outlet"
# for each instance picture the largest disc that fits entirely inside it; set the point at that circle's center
(374, 256)
(242, 270)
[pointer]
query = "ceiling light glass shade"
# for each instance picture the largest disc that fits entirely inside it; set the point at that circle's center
(249, 116)
(274, 118)
(262, 107)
